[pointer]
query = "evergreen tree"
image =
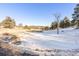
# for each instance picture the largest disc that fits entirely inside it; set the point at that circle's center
(75, 15)
(73, 22)
(54, 25)
(62, 24)
(65, 23)
(8, 22)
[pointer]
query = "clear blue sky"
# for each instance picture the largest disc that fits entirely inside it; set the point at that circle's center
(35, 14)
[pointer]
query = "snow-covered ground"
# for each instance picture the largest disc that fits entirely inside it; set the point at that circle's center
(67, 42)
(67, 39)
(50, 43)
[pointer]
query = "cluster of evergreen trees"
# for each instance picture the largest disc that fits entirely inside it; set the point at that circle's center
(66, 22)
(62, 24)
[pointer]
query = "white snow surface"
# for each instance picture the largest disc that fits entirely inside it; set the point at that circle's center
(67, 39)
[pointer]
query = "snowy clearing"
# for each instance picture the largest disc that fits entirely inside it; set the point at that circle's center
(48, 42)
(49, 39)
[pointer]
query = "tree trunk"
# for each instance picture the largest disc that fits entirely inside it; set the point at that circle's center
(57, 26)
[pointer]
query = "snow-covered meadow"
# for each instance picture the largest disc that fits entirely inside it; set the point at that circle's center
(46, 43)
(50, 43)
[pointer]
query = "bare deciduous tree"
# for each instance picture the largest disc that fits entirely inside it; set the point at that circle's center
(57, 17)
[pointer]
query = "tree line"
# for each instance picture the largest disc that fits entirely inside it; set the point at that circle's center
(8, 22)
(66, 22)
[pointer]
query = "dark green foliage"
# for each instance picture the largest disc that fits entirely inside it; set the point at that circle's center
(65, 23)
(46, 28)
(54, 25)
(62, 24)
(75, 16)
(73, 22)
(77, 24)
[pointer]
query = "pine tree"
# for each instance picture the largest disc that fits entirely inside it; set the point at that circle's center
(75, 15)
(54, 25)
(8, 22)
(65, 23)
(62, 24)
